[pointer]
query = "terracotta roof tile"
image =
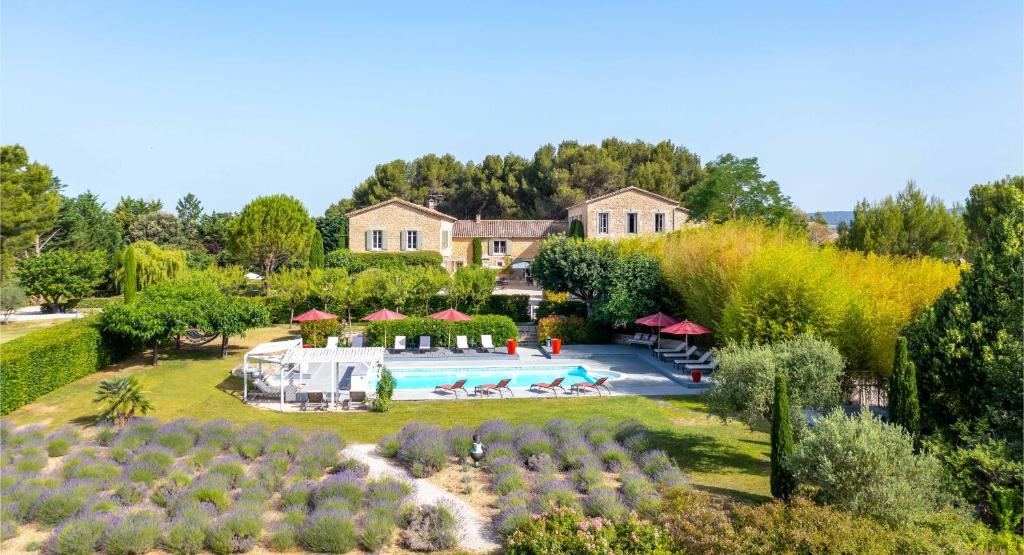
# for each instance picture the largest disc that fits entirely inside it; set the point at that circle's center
(509, 229)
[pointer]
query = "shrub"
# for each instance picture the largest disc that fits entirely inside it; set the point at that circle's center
(555, 493)
(230, 468)
(234, 532)
(613, 456)
(79, 536)
(315, 332)
(573, 453)
(511, 519)
(587, 478)
(495, 431)
(745, 378)
(573, 330)
(328, 532)
(385, 390)
(106, 434)
(387, 492)
(534, 442)
(285, 440)
(99, 302)
(565, 308)
(563, 531)
(604, 502)
(207, 490)
(460, 440)
(356, 262)
(132, 534)
(130, 494)
(216, 434)
(377, 529)
(58, 444)
(185, 535)
(321, 451)
(346, 486)
(423, 449)
(655, 462)
(868, 467)
(516, 307)
(501, 328)
(434, 528)
(56, 505)
(48, 359)
(282, 537)
(298, 494)
(508, 482)
(180, 441)
(698, 522)
(251, 441)
(143, 471)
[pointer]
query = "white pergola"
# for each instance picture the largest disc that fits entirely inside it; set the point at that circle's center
(270, 353)
(312, 361)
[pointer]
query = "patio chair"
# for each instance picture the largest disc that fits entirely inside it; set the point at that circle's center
(556, 384)
(685, 362)
(706, 367)
(317, 400)
(357, 341)
(638, 338)
(424, 343)
(487, 343)
(582, 387)
(651, 341)
(399, 344)
(677, 349)
(683, 355)
(454, 388)
(461, 343)
(490, 387)
(302, 398)
(332, 342)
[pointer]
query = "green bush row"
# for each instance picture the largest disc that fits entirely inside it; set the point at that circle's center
(561, 308)
(500, 328)
(573, 329)
(44, 360)
(356, 262)
(99, 302)
(516, 307)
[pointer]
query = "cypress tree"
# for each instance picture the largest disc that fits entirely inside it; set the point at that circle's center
(576, 229)
(131, 280)
(316, 251)
(478, 252)
(904, 408)
(782, 481)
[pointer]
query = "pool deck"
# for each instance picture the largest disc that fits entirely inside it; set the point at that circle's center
(640, 373)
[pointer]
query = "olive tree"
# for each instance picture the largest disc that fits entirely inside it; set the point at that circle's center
(59, 276)
(576, 266)
(271, 232)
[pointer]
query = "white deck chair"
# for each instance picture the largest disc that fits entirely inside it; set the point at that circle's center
(677, 349)
(707, 367)
(684, 355)
(487, 343)
(332, 342)
(636, 337)
(399, 343)
(424, 343)
(703, 359)
(357, 341)
(462, 343)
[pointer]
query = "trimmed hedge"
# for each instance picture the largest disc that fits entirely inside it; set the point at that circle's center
(501, 329)
(516, 307)
(572, 329)
(44, 360)
(279, 311)
(561, 308)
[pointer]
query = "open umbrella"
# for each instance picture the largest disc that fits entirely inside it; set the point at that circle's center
(312, 315)
(687, 328)
(384, 315)
(657, 320)
(450, 315)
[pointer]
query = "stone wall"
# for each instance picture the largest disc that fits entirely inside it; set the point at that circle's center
(395, 218)
(618, 206)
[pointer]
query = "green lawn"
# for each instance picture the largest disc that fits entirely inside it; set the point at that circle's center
(14, 330)
(726, 458)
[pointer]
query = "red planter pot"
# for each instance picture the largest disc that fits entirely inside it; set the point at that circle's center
(696, 376)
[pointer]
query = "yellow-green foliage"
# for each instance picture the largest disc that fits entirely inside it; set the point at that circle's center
(759, 284)
(153, 264)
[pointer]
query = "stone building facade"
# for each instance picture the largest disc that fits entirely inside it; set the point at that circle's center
(396, 225)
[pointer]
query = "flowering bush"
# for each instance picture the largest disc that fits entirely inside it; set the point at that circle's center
(566, 531)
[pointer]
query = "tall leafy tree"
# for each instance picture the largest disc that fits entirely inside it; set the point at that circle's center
(333, 225)
(909, 224)
(470, 287)
(128, 209)
(189, 210)
(294, 286)
(478, 252)
(130, 286)
(60, 276)
(31, 200)
(904, 409)
(83, 224)
(270, 232)
(781, 479)
(633, 289)
(153, 264)
(576, 229)
(160, 228)
(575, 266)
(316, 251)
(735, 188)
(230, 316)
(988, 202)
(213, 233)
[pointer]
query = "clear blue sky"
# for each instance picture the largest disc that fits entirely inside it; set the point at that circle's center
(838, 100)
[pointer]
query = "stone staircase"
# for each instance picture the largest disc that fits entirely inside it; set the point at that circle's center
(527, 334)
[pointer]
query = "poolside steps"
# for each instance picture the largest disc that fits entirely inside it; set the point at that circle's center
(527, 334)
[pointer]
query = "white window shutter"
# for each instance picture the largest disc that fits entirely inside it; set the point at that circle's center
(369, 239)
(402, 238)
(383, 240)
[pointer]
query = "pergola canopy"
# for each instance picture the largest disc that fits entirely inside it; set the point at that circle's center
(274, 347)
(352, 355)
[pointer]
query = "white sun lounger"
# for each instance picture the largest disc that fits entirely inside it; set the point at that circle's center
(399, 343)
(677, 349)
(462, 343)
(639, 339)
(684, 355)
(703, 359)
(707, 367)
(332, 342)
(424, 343)
(487, 343)
(357, 341)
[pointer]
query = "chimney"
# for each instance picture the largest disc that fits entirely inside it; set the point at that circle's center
(431, 203)
(478, 217)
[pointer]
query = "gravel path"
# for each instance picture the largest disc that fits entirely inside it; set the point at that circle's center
(477, 533)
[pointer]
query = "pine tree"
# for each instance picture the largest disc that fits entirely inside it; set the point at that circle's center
(131, 281)
(904, 409)
(478, 252)
(316, 251)
(782, 481)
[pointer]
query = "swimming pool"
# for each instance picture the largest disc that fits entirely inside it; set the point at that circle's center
(522, 376)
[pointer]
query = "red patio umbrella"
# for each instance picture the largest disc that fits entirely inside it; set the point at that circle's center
(687, 328)
(450, 315)
(384, 315)
(657, 320)
(313, 315)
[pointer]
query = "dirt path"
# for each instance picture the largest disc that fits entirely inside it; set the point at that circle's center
(477, 532)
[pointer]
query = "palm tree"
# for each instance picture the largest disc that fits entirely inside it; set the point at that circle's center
(122, 398)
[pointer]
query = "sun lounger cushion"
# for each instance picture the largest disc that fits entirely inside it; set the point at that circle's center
(399, 342)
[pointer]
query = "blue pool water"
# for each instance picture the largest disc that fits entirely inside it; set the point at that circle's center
(522, 376)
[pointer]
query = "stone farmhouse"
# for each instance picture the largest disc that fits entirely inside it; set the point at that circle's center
(399, 225)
